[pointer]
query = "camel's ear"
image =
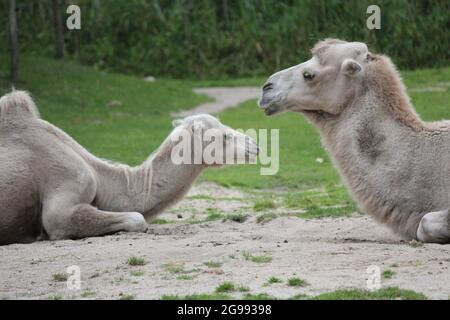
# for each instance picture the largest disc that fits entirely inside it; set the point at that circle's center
(176, 123)
(351, 67)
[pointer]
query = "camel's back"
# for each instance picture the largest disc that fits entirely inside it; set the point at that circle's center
(17, 108)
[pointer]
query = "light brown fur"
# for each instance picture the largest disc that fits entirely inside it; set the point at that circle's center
(395, 165)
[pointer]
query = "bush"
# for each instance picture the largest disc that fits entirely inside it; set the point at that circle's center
(210, 39)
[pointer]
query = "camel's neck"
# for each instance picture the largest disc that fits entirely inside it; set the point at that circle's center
(377, 144)
(148, 188)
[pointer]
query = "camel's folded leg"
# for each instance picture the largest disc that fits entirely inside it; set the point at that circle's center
(84, 220)
(435, 227)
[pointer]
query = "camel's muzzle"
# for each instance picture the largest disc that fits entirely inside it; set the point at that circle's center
(269, 103)
(269, 100)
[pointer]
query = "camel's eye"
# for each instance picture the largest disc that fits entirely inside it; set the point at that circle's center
(308, 76)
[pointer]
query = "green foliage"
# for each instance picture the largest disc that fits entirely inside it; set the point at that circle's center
(135, 261)
(265, 217)
(60, 277)
(274, 280)
(297, 282)
(226, 287)
(265, 204)
(188, 39)
(387, 274)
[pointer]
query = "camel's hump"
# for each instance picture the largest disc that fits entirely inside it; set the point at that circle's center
(17, 106)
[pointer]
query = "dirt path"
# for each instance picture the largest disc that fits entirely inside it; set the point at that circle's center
(328, 253)
(225, 98)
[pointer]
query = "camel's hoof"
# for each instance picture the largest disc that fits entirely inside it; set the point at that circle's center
(137, 223)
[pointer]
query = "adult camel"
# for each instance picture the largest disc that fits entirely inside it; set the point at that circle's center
(396, 166)
(53, 188)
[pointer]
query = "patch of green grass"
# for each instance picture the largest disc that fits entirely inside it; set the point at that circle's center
(60, 277)
(126, 296)
(178, 268)
(202, 296)
(55, 297)
(333, 201)
(137, 273)
(322, 212)
(159, 221)
(257, 259)
(243, 289)
(213, 214)
(135, 261)
(266, 217)
(258, 296)
(297, 282)
(390, 293)
(88, 294)
(236, 217)
(225, 287)
(185, 277)
(264, 204)
(213, 264)
(387, 274)
(273, 280)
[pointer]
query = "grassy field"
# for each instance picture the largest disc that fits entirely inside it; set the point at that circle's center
(124, 118)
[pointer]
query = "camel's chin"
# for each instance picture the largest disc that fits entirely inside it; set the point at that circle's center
(271, 111)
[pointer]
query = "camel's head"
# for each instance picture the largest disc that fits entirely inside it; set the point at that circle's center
(325, 83)
(217, 140)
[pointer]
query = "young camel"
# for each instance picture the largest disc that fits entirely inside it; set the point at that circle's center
(51, 187)
(396, 166)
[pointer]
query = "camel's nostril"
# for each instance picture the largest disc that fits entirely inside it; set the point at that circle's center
(267, 86)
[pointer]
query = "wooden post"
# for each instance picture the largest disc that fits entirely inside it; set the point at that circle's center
(14, 42)
(59, 30)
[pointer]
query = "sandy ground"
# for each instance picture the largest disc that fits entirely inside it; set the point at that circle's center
(328, 253)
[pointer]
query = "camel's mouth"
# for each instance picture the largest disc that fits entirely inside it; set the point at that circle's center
(270, 101)
(269, 106)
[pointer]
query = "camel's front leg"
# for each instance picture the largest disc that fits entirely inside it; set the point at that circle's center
(62, 220)
(435, 227)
